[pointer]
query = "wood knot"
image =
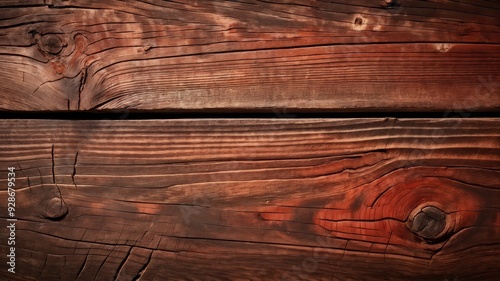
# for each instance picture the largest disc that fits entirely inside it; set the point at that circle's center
(428, 223)
(359, 23)
(51, 43)
(55, 209)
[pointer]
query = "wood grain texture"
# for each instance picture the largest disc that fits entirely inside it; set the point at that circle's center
(375, 55)
(329, 199)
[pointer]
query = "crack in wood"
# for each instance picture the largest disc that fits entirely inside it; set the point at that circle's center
(53, 164)
(122, 263)
(82, 268)
(144, 268)
(83, 79)
(74, 170)
(104, 262)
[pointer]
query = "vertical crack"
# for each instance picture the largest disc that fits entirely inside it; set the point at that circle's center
(143, 269)
(83, 267)
(53, 166)
(43, 267)
(124, 261)
(53, 170)
(436, 252)
(83, 78)
(140, 239)
(104, 262)
(20, 168)
(64, 266)
(74, 170)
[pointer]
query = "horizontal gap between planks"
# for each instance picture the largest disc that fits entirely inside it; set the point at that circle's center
(272, 114)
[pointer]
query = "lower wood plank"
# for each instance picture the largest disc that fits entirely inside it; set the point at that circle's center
(305, 199)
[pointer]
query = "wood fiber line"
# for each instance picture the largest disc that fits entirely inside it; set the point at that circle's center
(316, 199)
(251, 55)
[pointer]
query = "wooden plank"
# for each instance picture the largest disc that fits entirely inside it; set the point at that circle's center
(305, 199)
(250, 55)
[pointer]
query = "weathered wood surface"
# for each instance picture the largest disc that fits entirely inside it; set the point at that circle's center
(337, 199)
(250, 55)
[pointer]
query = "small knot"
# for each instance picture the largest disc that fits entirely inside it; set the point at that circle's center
(55, 209)
(52, 44)
(429, 223)
(359, 23)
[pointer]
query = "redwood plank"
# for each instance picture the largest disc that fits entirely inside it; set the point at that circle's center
(308, 199)
(251, 55)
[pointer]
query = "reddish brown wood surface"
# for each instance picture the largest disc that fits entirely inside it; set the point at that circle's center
(352, 199)
(374, 55)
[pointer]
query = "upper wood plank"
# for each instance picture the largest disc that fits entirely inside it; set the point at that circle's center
(250, 55)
